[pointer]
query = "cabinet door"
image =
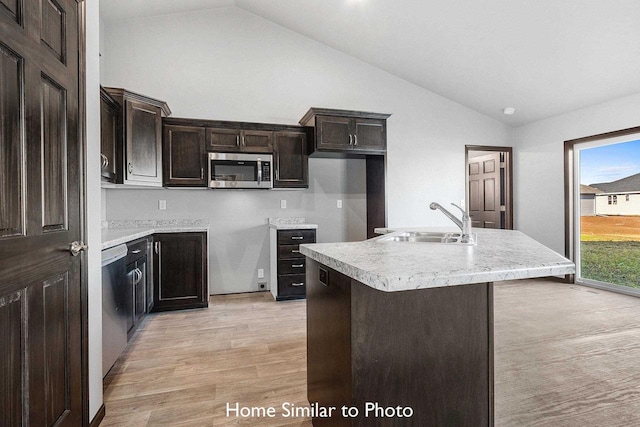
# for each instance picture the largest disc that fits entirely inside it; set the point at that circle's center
(256, 141)
(143, 163)
(130, 297)
(140, 290)
(180, 271)
(184, 156)
(223, 140)
(110, 136)
(370, 135)
(333, 133)
(290, 160)
(149, 274)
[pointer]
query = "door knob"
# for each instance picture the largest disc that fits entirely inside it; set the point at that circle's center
(76, 247)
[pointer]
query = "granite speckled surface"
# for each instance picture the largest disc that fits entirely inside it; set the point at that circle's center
(290, 223)
(118, 232)
(398, 266)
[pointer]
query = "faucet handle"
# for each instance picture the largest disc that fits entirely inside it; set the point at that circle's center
(462, 210)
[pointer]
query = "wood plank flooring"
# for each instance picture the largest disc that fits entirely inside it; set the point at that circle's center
(565, 355)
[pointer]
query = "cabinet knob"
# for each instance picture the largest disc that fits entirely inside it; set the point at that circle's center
(355, 139)
(202, 174)
(350, 139)
(237, 140)
(297, 284)
(130, 167)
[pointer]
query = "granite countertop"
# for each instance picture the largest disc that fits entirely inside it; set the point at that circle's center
(118, 232)
(290, 223)
(398, 266)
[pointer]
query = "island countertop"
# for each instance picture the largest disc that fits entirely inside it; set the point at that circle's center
(398, 266)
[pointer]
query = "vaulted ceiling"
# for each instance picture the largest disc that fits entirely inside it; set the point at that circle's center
(542, 57)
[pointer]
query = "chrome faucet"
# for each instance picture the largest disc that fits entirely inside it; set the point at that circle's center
(464, 225)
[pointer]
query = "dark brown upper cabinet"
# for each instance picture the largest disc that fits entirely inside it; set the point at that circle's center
(291, 164)
(240, 140)
(347, 132)
(289, 145)
(142, 147)
(110, 136)
(184, 156)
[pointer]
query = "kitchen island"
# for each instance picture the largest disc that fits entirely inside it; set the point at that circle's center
(394, 325)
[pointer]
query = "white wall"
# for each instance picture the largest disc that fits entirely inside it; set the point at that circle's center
(94, 206)
(228, 64)
(539, 164)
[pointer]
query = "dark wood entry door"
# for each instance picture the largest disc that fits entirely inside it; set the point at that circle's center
(40, 215)
(484, 191)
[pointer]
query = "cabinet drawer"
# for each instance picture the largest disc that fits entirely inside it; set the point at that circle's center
(136, 250)
(296, 236)
(291, 266)
(289, 251)
(291, 285)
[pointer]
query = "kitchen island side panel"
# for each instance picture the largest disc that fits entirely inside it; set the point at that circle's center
(430, 349)
(329, 362)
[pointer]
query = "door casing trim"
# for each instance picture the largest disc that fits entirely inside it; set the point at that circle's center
(82, 156)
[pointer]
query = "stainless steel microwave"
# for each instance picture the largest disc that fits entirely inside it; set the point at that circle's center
(240, 170)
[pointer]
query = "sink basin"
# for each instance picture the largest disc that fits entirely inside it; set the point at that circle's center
(427, 237)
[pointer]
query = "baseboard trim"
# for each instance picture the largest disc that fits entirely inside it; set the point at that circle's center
(99, 417)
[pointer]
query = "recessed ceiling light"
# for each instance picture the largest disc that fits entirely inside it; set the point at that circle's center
(509, 110)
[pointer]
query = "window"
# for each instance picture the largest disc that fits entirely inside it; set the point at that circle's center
(605, 241)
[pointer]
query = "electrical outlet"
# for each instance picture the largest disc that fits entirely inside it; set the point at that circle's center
(262, 286)
(261, 273)
(339, 204)
(162, 205)
(283, 204)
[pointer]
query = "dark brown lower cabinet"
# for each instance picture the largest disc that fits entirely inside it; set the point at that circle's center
(137, 283)
(180, 271)
(427, 349)
(287, 263)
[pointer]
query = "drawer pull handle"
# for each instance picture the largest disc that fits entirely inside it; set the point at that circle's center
(295, 251)
(298, 284)
(297, 237)
(297, 265)
(137, 251)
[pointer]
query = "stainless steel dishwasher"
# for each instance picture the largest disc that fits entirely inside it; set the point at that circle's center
(114, 299)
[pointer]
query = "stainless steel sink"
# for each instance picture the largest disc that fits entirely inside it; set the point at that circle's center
(427, 237)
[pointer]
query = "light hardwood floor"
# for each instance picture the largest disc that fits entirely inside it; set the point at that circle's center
(565, 355)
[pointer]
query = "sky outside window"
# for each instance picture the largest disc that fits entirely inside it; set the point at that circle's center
(609, 162)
